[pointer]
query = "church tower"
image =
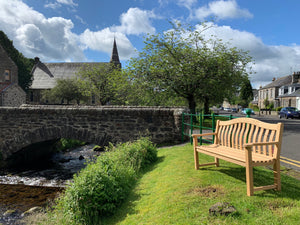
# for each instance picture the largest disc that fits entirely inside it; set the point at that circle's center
(115, 55)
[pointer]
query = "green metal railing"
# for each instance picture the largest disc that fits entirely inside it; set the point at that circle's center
(200, 122)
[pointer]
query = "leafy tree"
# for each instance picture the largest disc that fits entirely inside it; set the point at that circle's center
(106, 82)
(24, 64)
(65, 89)
(246, 93)
(142, 93)
(181, 61)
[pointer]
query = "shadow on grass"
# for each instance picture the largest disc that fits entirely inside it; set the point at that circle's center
(290, 187)
(129, 204)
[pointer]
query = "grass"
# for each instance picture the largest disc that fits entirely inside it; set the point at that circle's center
(173, 192)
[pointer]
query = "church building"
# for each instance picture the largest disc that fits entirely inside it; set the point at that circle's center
(45, 75)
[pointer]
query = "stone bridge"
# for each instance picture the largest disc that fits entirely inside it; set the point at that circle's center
(27, 125)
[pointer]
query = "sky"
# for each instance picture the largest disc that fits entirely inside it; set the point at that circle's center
(84, 30)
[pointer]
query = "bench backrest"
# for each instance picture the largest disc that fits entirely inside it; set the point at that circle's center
(235, 133)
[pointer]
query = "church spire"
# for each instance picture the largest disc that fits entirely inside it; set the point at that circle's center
(115, 55)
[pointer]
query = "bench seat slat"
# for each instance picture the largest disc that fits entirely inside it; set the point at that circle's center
(236, 154)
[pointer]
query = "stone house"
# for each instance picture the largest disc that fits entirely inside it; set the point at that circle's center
(11, 94)
(277, 88)
(45, 75)
(289, 95)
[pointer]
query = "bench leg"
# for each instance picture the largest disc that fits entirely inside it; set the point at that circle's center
(249, 180)
(217, 162)
(276, 171)
(196, 159)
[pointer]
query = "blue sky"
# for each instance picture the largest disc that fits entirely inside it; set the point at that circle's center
(83, 30)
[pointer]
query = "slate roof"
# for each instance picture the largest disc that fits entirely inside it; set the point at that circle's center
(294, 94)
(282, 81)
(46, 74)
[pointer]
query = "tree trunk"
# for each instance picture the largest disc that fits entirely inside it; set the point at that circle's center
(206, 105)
(192, 104)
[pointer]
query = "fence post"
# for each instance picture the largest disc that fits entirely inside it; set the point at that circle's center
(230, 117)
(200, 128)
(191, 138)
(182, 127)
(213, 125)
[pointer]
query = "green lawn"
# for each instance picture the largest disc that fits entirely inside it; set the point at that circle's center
(173, 192)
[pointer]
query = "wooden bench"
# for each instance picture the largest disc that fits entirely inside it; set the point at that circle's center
(247, 142)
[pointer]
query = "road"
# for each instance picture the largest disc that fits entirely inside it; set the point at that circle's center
(290, 150)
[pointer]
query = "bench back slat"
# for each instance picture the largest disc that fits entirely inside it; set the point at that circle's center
(235, 133)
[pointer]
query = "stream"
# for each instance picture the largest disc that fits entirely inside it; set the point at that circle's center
(38, 185)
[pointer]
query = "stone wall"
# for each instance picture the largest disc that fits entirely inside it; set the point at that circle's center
(21, 127)
(7, 64)
(13, 96)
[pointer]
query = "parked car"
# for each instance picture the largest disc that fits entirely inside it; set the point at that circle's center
(243, 111)
(289, 112)
(234, 110)
(227, 109)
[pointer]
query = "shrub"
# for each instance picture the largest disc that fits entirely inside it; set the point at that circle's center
(64, 144)
(278, 108)
(102, 186)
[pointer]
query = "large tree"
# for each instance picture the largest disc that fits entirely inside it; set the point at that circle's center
(181, 60)
(24, 64)
(65, 90)
(246, 93)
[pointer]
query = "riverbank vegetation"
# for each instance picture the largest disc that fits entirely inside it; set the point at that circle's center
(100, 188)
(171, 191)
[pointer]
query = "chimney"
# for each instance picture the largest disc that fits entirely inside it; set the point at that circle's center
(36, 60)
(274, 78)
(296, 77)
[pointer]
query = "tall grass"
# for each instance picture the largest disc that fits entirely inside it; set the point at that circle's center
(100, 188)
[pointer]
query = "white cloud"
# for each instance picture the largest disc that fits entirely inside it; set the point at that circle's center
(59, 3)
(52, 39)
(136, 21)
(187, 3)
(270, 61)
(221, 9)
(35, 35)
(67, 2)
(103, 41)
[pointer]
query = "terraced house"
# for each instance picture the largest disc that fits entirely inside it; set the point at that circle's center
(11, 94)
(283, 92)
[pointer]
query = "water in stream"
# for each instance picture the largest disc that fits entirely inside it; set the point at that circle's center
(37, 185)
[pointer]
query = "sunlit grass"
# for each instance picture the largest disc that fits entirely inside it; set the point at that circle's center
(173, 192)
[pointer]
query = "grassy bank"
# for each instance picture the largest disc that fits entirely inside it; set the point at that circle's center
(173, 192)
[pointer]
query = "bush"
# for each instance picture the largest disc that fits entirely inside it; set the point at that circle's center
(278, 108)
(255, 108)
(64, 144)
(102, 186)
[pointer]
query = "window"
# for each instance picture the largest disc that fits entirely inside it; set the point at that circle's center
(31, 96)
(7, 75)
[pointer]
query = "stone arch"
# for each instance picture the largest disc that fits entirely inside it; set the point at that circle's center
(43, 134)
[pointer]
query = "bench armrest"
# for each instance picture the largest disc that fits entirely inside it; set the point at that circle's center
(200, 135)
(260, 143)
